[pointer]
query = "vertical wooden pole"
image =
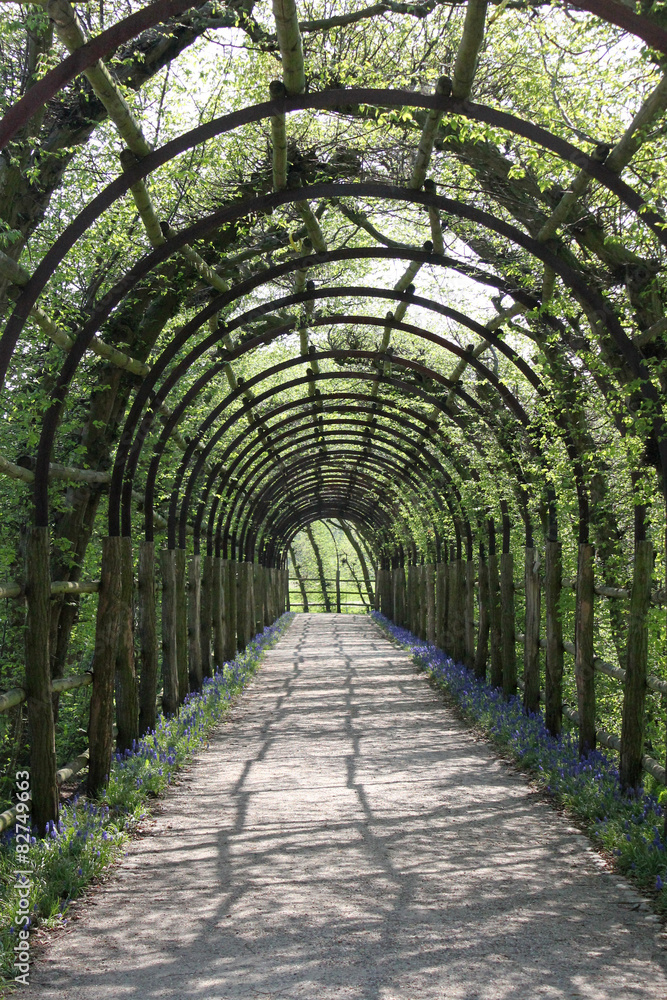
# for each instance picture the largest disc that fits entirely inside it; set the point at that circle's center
(409, 584)
(217, 618)
(458, 621)
(38, 681)
(482, 650)
(440, 605)
(508, 624)
(531, 648)
(494, 622)
(553, 577)
(400, 600)
(147, 638)
(242, 605)
(169, 662)
(585, 673)
(634, 695)
(423, 602)
(230, 600)
(127, 700)
(376, 602)
(469, 615)
(206, 616)
(100, 723)
(195, 672)
(430, 602)
(181, 624)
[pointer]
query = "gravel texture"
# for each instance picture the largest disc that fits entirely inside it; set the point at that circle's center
(345, 836)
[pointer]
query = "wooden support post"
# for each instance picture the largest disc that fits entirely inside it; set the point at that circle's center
(409, 601)
(553, 583)
(242, 605)
(267, 575)
(100, 722)
(206, 617)
(181, 624)
(423, 602)
(458, 618)
(169, 663)
(508, 624)
(482, 650)
(44, 790)
(494, 622)
(127, 698)
(634, 695)
(531, 647)
(376, 602)
(195, 672)
(217, 617)
(440, 609)
(430, 602)
(584, 669)
(230, 570)
(147, 638)
(469, 615)
(399, 597)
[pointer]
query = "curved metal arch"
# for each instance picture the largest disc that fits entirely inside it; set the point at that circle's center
(428, 425)
(380, 458)
(204, 452)
(570, 277)
(281, 477)
(159, 11)
(133, 454)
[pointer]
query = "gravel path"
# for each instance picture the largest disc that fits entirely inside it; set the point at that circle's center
(344, 836)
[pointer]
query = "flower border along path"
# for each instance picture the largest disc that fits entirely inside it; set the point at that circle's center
(90, 835)
(628, 826)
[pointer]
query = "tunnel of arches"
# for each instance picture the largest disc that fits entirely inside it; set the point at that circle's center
(402, 312)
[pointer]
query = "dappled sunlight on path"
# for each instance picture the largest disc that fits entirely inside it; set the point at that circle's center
(344, 836)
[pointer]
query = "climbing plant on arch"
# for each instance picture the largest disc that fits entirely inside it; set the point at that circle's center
(206, 213)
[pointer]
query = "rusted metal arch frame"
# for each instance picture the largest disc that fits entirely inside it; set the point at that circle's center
(185, 363)
(248, 487)
(195, 443)
(572, 278)
(240, 488)
(331, 320)
(322, 376)
(161, 11)
(325, 399)
(333, 99)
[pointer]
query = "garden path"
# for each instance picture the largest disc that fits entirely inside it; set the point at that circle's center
(345, 836)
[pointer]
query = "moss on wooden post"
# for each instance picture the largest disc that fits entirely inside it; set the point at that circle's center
(195, 674)
(584, 655)
(469, 615)
(217, 619)
(148, 653)
(230, 598)
(430, 602)
(44, 790)
(508, 624)
(440, 609)
(100, 723)
(206, 617)
(634, 694)
(553, 583)
(169, 663)
(181, 624)
(531, 648)
(127, 699)
(482, 650)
